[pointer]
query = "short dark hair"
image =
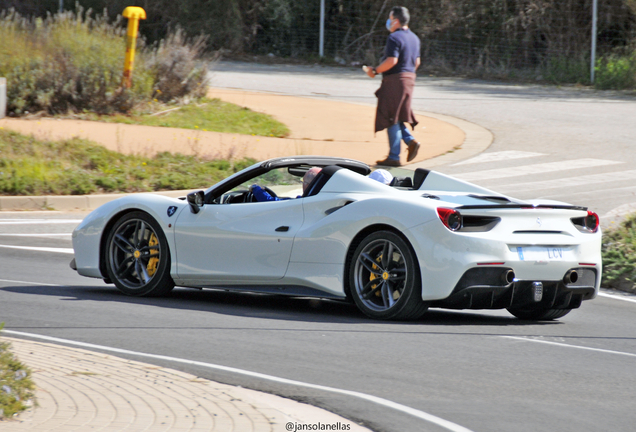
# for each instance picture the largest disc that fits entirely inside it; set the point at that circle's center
(401, 14)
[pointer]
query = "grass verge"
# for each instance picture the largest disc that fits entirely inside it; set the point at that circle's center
(204, 114)
(76, 167)
(16, 387)
(619, 256)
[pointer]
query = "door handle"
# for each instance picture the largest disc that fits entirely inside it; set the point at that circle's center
(282, 229)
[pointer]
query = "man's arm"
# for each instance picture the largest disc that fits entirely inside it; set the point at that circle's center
(383, 67)
(260, 194)
(417, 64)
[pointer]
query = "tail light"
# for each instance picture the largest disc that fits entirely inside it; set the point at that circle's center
(592, 221)
(451, 218)
(589, 223)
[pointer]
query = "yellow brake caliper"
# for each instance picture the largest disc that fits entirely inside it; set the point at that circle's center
(396, 293)
(153, 262)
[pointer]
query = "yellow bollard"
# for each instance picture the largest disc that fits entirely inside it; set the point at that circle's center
(134, 14)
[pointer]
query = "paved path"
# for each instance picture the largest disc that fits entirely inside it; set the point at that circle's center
(320, 127)
(79, 390)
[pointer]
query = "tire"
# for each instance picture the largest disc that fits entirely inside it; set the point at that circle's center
(539, 314)
(137, 256)
(396, 292)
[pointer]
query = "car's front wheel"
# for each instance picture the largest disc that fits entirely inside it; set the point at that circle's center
(137, 256)
(538, 314)
(385, 278)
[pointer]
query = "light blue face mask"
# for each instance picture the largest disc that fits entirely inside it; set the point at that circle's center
(388, 24)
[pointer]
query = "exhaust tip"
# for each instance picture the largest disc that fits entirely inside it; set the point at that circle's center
(508, 277)
(571, 277)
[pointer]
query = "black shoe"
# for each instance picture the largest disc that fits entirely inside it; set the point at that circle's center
(389, 162)
(414, 146)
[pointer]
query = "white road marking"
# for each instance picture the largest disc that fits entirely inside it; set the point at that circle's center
(37, 235)
(28, 283)
(569, 346)
(378, 400)
(40, 249)
(534, 169)
(618, 297)
(614, 176)
(499, 156)
(38, 221)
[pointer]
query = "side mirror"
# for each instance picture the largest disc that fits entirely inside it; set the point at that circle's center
(195, 199)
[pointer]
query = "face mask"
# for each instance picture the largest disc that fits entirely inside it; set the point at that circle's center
(388, 24)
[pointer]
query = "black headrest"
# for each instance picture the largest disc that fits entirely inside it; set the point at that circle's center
(402, 182)
(419, 176)
(321, 178)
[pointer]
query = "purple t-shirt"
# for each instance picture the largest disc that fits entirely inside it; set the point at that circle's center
(405, 46)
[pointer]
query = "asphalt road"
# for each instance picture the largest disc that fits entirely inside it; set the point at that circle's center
(484, 371)
(588, 135)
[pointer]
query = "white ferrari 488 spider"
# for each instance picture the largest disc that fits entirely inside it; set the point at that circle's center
(395, 250)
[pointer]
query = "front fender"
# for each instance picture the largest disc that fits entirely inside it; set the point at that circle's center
(89, 236)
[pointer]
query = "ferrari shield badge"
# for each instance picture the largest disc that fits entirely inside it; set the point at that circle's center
(171, 210)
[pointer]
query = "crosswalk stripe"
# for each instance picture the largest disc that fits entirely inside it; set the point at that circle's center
(499, 156)
(533, 169)
(569, 181)
(37, 235)
(38, 221)
(40, 249)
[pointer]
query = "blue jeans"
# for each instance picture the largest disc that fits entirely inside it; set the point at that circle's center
(397, 133)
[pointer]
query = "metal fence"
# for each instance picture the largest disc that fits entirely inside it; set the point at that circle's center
(457, 36)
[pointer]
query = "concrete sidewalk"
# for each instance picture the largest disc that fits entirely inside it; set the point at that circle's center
(79, 390)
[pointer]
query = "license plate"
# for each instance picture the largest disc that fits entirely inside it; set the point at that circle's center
(543, 253)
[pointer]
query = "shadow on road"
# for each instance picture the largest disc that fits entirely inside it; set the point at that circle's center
(267, 306)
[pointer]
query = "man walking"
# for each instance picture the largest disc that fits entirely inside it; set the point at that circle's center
(401, 59)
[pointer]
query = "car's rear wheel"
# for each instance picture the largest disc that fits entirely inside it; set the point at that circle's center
(137, 256)
(538, 314)
(385, 278)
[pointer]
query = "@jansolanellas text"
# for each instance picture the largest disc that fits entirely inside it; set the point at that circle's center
(295, 427)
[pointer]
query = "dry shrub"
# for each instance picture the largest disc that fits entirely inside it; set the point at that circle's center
(177, 71)
(73, 62)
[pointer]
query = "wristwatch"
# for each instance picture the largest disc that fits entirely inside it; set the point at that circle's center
(374, 71)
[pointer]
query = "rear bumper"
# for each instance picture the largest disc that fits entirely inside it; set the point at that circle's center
(487, 288)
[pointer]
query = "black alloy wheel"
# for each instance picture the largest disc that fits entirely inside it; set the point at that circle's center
(385, 278)
(137, 256)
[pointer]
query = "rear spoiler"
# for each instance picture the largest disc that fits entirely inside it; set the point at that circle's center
(521, 206)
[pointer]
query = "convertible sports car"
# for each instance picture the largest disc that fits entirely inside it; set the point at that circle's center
(395, 250)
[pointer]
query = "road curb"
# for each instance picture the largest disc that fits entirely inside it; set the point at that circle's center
(478, 139)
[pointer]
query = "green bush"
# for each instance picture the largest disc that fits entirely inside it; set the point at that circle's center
(616, 72)
(16, 386)
(619, 256)
(73, 62)
(560, 70)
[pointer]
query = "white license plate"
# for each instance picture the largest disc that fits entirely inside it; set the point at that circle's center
(543, 253)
